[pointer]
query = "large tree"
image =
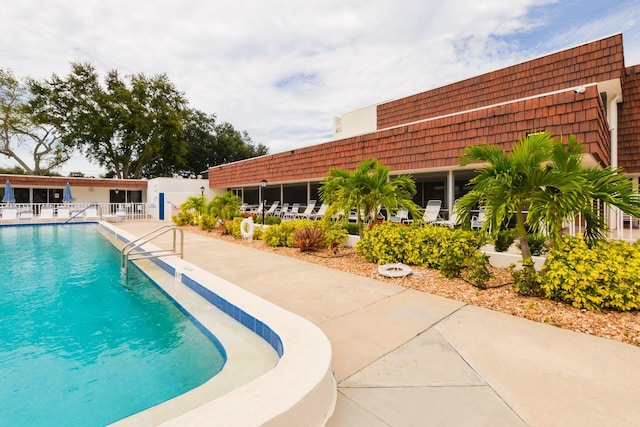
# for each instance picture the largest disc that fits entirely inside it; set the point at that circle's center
(210, 143)
(125, 124)
(22, 133)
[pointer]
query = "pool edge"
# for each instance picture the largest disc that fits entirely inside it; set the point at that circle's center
(300, 390)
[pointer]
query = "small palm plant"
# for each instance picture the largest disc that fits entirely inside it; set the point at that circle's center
(367, 189)
(546, 178)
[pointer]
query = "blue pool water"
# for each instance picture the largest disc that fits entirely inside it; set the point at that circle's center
(76, 348)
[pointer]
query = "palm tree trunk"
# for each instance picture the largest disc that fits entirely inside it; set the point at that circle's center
(522, 236)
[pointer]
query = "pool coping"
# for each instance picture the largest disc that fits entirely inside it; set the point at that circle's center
(300, 390)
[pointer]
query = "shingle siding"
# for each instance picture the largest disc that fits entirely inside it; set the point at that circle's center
(430, 130)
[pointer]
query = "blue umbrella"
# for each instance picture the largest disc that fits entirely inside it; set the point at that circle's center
(66, 196)
(8, 194)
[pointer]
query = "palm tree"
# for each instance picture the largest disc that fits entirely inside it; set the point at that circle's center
(546, 178)
(367, 189)
(224, 206)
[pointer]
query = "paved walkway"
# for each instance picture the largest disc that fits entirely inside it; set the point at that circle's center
(407, 358)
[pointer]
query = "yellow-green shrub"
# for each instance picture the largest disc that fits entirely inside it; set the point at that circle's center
(605, 276)
(441, 248)
(283, 234)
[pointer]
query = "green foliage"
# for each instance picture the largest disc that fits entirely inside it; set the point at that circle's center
(538, 244)
(367, 189)
(193, 204)
(24, 137)
(207, 222)
(449, 251)
(504, 239)
(225, 206)
(526, 281)
(283, 234)
(183, 218)
(604, 276)
(352, 228)
(233, 227)
(309, 239)
(210, 143)
(269, 219)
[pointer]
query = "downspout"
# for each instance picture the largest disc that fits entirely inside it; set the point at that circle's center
(613, 129)
(618, 224)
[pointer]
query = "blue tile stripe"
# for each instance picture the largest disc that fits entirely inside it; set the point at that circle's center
(257, 326)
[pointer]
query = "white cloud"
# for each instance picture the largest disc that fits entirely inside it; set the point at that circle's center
(283, 69)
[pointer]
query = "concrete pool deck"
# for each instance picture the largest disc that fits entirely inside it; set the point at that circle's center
(407, 358)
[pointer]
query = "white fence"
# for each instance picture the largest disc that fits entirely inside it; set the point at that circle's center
(621, 226)
(40, 212)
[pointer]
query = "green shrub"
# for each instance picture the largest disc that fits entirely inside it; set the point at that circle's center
(183, 218)
(526, 281)
(283, 234)
(233, 227)
(605, 276)
(352, 228)
(449, 251)
(538, 244)
(207, 222)
(504, 239)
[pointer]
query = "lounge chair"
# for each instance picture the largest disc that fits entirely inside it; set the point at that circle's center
(63, 212)
(432, 211)
(453, 218)
(90, 213)
(273, 208)
(308, 210)
(282, 211)
(293, 213)
(320, 213)
(9, 213)
(477, 221)
(401, 216)
(26, 215)
(121, 215)
(46, 213)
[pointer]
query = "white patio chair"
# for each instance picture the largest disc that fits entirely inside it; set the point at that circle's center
(431, 212)
(26, 215)
(401, 216)
(320, 214)
(91, 213)
(308, 210)
(477, 221)
(63, 212)
(9, 213)
(46, 213)
(273, 208)
(293, 213)
(453, 218)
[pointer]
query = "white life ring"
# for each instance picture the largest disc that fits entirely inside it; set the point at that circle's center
(394, 270)
(246, 228)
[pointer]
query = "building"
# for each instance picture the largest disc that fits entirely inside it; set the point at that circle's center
(585, 90)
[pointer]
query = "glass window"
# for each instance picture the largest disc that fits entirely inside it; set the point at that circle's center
(22, 195)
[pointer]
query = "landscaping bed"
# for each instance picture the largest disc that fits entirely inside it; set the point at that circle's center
(619, 326)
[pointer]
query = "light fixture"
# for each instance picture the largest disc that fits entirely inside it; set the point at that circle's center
(580, 89)
(263, 184)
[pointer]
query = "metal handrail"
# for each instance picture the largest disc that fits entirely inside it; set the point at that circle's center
(79, 212)
(126, 255)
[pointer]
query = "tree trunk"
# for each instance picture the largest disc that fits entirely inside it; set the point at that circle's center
(522, 237)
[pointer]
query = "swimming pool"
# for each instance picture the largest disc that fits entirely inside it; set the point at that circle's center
(78, 348)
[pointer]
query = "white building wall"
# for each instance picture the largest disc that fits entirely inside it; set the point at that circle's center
(176, 191)
(358, 122)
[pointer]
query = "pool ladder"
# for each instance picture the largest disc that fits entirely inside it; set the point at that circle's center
(126, 254)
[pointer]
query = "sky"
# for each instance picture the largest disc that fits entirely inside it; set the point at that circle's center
(283, 69)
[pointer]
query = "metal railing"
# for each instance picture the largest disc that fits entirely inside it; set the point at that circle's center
(68, 212)
(126, 254)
